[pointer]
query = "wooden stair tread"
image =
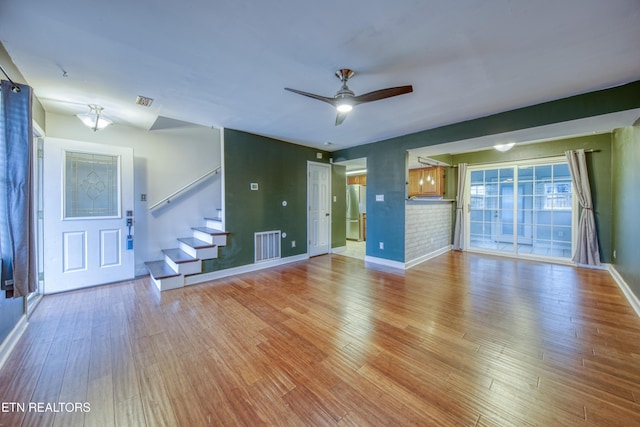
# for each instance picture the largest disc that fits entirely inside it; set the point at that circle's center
(160, 270)
(179, 256)
(211, 231)
(196, 243)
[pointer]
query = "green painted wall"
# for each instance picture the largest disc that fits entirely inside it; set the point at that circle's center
(626, 205)
(385, 219)
(598, 163)
(338, 206)
(280, 170)
(386, 170)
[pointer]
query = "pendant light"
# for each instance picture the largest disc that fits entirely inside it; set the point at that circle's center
(94, 119)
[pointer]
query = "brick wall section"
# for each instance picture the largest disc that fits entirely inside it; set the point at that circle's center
(427, 228)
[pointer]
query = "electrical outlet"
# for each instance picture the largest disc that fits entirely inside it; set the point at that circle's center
(381, 245)
(293, 243)
(143, 197)
(614, 254)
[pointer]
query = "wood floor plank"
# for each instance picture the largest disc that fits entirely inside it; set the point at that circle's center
(129, 412)
(462, 339)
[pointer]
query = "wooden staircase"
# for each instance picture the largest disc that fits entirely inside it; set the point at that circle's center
(186, 259)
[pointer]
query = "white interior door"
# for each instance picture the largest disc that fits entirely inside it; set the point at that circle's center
(88, 214)
(319, 200)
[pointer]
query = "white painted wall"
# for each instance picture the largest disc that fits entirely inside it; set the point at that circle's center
(164, 161)
(427, 229)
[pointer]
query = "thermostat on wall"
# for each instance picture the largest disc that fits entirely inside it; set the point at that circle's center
(254, 186)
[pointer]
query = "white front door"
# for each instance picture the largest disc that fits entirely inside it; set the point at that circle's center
(88, 214)
(319, 201)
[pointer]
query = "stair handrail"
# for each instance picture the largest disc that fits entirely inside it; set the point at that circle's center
(185, 188)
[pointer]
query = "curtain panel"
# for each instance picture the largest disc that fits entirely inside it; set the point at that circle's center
(586, 251)
(17, 243)
(458, 231)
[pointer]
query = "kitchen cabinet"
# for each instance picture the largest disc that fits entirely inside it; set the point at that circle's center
(357, 179)
(426, 182)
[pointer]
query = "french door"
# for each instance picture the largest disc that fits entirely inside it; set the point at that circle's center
(522, 209)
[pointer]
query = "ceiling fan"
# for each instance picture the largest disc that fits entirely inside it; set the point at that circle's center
(344, 99)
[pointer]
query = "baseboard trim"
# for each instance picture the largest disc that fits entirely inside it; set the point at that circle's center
(626, 290)
(200, 278)
(384, 262)
(10, 342)
(338, 249)
(426, 257)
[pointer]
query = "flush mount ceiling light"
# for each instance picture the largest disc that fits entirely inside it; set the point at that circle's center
(504, 147)
(94, 119)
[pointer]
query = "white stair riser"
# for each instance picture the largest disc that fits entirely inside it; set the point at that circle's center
(216, 225)
(220, 240)
(186, 268)
(206, 253)
(169, 282)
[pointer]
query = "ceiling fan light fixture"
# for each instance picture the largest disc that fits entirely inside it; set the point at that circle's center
(344, 107)
(94, 119)
(504, 147)
(344, 100)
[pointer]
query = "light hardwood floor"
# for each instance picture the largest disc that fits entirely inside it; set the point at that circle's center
(460, 340)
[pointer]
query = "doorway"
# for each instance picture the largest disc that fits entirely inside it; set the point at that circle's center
(524, 209)
(356, 208)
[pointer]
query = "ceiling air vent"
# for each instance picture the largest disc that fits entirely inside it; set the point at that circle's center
(144, 101)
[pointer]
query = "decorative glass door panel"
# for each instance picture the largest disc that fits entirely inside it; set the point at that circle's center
(91, 185)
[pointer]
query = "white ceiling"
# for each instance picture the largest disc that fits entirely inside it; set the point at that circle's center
(225, 63)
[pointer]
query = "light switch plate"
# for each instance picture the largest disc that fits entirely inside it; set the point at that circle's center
(379, 197)
(254, 186)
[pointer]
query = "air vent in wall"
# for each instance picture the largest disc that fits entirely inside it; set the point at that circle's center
(144, 101)
(267, 245)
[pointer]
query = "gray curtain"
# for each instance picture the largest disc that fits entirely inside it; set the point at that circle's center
(458, 231)
(16, 196)
(587, 240)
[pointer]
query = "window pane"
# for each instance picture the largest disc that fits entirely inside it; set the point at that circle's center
(476, 227)
(477, 177)
(562, 234)
(543, 232)
(506, 175)
(562, 218)
(525, 173)
(525, 189)
(491, 175)
(561, 171)
(543, 172)
(543, 217)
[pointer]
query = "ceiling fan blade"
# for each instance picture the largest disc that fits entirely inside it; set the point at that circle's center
(340, 118)
(311, 95)
(382, 94)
